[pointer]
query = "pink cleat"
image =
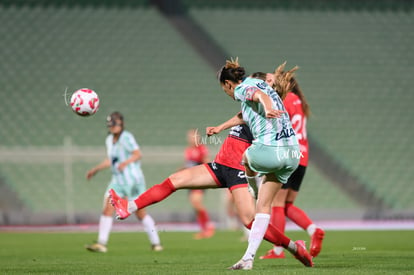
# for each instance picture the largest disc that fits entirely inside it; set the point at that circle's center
(120, 204)
(316, 242)
(206, 233)
(303, 255)
(271, 254)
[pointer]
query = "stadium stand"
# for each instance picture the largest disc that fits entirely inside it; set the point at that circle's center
(356, 68)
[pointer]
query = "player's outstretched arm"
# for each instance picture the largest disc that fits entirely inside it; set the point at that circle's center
(236, 120)
(106, 163)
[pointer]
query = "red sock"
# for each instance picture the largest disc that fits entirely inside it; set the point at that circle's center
(278, 218)
(297, 215)
(155, 194)
(203, 219)
(274, 236)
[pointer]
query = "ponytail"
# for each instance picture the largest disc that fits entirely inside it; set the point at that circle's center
(231, 71)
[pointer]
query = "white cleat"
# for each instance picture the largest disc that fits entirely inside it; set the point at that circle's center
(157, 247)
(242, 265)
(96, 247)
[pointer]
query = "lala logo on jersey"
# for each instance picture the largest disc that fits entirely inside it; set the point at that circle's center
(285, 133)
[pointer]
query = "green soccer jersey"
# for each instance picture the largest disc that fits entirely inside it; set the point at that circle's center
(267, 131)
(120, 151)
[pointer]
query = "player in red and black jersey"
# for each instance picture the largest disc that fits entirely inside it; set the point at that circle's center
(225, 171)
(227, 168)
(283, 203)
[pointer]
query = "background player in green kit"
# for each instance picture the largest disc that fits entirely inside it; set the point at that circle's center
(123, 157)
(275, 150)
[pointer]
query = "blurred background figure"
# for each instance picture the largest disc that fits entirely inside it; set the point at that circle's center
(197, 153)
(124, 160)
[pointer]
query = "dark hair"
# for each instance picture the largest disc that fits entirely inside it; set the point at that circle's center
(259, 75)
(231, 71)
(113, 117)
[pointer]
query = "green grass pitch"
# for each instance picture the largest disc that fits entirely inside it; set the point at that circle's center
(344, 252)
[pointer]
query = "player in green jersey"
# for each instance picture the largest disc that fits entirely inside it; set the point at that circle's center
(274, 153)
(123, 158)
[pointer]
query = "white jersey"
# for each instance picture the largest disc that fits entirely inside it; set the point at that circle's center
(119, 152)
(267, 131)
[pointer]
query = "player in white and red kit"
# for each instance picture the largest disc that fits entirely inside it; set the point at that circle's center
(282, 207)
(195, 154)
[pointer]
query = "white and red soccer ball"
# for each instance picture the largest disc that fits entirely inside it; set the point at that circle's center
(84, 102)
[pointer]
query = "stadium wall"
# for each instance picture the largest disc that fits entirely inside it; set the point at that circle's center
(141, 64)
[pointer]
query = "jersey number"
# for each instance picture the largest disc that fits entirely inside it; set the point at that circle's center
(299, 125)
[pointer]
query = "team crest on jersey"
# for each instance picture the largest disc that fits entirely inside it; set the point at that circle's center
(114, 160)
(250, 92)
(261, 85)
(285, 133)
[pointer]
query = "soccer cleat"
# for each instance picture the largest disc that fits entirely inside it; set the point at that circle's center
(157, 247)
(96, 247)
(316, 242)
(199, 236)
(271, 254)
(202, 235)
(205, 234)
(121, 205)
(303, 255)
(242, 265)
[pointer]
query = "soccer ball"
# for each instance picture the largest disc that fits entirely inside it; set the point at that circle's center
(84, 102)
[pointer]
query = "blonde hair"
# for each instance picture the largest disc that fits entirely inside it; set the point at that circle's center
(232, 63)
(285, 82)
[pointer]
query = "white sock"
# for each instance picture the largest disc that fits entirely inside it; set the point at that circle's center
(105, 226)
(278, 249)
(149, 226)
(132, 207)
(311, 229)
(292, 247)
(257, 232)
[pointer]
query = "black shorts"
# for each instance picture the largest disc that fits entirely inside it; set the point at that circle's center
(226, 176)
(295, 180)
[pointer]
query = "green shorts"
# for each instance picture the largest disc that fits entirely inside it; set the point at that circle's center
(277, 160)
